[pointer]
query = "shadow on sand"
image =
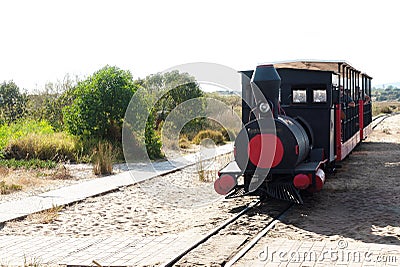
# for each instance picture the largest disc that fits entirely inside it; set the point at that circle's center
(361, 201)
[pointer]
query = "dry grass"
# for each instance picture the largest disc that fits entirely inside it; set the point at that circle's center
(32, 262)
(215, 136)
(3, 171)
(207, 171)
(26, 179)
(46, 216)
(385, 107)
(184, 142)
(103, 158)
(6, 188)
(200, 170)
(55, 146)
(61, 173)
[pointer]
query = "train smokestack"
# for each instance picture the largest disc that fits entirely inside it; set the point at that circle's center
(265, 83)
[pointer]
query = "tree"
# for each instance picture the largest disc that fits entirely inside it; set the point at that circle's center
(157, 96)
(99, 104)
(172, 88)
(12, 102)
(48, 104)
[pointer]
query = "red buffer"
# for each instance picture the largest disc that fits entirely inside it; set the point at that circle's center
(303, 181)
(224, 184)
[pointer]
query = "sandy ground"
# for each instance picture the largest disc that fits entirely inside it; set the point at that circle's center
(38, 181)
(360, 203)
(174, 203)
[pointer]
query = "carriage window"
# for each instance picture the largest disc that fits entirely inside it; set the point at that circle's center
(319, 96)
(299, 96)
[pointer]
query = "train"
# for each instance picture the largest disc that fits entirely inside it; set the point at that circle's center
(298, 125)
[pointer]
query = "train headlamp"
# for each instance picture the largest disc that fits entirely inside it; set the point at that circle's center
(264, 107)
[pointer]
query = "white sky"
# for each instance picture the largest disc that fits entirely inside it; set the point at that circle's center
(41, 40)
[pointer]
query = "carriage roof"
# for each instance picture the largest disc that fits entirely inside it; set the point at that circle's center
(333, 66)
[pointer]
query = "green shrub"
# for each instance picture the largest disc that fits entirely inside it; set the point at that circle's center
(85, 147)
(99, 104)
(12, 102)
(20, 129)
(28, 164)
(194, 126)
(152, 140)
(53, 146)
(216, 136)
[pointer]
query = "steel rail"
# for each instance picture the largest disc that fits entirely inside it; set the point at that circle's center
(257, 238)
(212, 233)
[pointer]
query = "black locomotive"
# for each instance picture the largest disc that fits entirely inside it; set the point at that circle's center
(297, 124)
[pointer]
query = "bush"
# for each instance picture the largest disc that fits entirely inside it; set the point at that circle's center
(36, 140)
(386, 109)
(28, 164)
(47, 104)
(194, 126)
(53, 146)
(12, 102)
(152, 140)
(20, 129)
(184, 142)
(228, 133)
(216, 136)
(99, 104)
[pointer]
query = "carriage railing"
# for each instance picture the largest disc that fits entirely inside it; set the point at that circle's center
(350, 122)
(367, 114)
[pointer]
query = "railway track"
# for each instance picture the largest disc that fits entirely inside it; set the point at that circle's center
(237, 256)
(255, 207)
(380, 118)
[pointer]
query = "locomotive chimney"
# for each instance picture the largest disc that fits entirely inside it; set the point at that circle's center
(265, 84)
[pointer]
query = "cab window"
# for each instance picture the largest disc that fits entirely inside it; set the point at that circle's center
(299, 96)
(319, 96)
